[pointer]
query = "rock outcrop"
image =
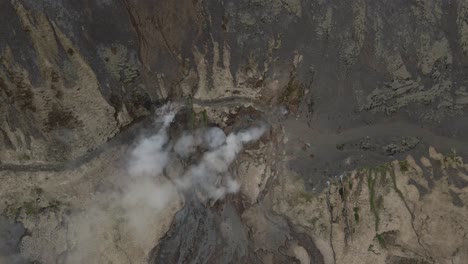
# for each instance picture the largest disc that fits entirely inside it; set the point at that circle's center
(363, 161)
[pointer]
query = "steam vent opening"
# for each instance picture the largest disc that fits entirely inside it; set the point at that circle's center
(243, 132)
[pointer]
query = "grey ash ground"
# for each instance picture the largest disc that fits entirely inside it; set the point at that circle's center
(362, 162)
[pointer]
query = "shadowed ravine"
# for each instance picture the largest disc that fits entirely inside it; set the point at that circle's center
(217, 234)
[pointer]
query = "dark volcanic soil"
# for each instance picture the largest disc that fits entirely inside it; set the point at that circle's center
(217, 234)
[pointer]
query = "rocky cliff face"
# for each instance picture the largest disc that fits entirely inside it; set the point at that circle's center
(360, 97)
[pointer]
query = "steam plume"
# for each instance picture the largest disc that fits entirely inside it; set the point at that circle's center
(160, 170)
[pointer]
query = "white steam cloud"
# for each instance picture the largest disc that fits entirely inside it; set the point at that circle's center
(159, 170)
(150, 156)
(211, 173)
(153, 155)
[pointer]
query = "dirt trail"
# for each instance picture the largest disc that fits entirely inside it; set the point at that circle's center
(323, 156)
(328, 141)
(124, 137)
